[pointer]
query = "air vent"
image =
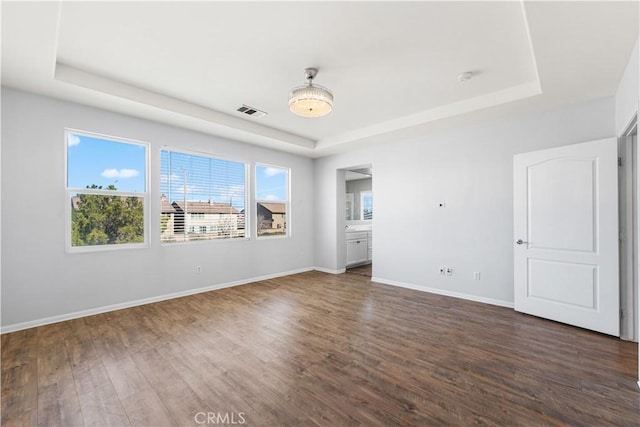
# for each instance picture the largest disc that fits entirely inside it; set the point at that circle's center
(251, 111)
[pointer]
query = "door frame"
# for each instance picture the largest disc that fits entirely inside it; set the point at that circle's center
(341, 223)
(629, 233)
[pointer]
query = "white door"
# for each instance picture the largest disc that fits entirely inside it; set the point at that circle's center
(566, 235)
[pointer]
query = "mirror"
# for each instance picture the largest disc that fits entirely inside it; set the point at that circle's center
(359, 200)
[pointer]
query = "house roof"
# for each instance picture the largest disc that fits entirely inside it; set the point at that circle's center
(276, 208)
(206, 207)
(167, 207)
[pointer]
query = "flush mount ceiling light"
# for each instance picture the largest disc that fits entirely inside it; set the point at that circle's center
(309, 100)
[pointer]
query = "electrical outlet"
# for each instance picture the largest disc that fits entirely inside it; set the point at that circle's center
(476, 275)
(449, 271)
(198, 269)
(442, 271)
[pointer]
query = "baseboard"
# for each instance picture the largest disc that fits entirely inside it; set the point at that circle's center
(104, 309)
(330, 271)
(460, 295)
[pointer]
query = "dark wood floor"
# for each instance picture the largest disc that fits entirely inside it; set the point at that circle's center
(317, 349)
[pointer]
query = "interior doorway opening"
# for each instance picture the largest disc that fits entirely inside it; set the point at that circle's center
(358, 220)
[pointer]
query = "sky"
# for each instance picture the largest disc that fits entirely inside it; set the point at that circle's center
(93, 160)
(271, 183)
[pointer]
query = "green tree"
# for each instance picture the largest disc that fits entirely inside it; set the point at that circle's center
(164, 223)
(99, 219)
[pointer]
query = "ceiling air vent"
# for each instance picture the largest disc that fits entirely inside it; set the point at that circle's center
(251, 111)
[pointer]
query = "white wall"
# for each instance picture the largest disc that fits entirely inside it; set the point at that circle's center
(627, 93)
(470, 169)
(40, 280)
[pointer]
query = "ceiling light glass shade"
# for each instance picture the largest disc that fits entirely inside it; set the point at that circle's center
(310, 101)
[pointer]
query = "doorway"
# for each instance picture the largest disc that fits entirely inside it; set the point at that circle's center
(358, 220)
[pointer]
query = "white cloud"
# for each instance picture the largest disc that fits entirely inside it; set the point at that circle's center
(73, 140)
(271, 197)
(120, 173)
(273, 171)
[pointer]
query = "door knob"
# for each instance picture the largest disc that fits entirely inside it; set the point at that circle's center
(520, 242)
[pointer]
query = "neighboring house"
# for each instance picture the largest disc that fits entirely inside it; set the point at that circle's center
(272, 218)
(207, 218)
(168, 225)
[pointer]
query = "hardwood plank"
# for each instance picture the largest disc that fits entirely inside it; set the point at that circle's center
(101, 407)
(58, 403)
(27, 418)
(90, 376)
(18, 348)
(144, 408)
(181, 401)
(126, 378)
(20, 393)
(64, 412)
(81, 352)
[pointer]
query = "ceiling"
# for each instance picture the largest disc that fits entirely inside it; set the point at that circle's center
(392, 66)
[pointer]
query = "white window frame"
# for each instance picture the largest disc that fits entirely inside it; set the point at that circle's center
(71, 190)
(247, 209)
(363, 194)
(288, 221)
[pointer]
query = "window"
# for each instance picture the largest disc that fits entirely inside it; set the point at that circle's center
(203, 198)
(106, 192)
(366, 205)
(272, 195)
